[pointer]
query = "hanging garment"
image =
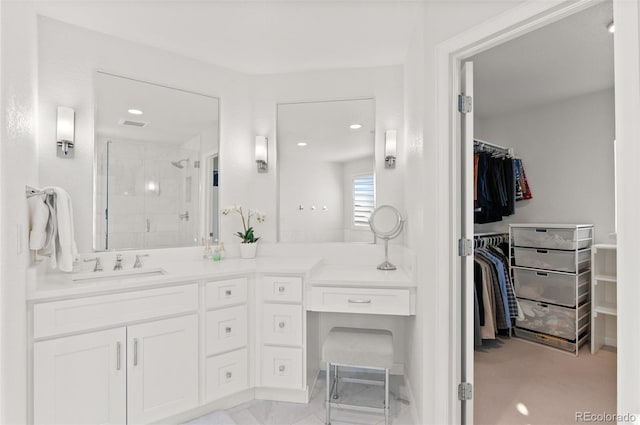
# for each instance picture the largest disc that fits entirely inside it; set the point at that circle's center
(494, 188)
(523, 191)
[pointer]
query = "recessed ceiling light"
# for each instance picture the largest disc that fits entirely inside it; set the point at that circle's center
(302, 144)
(611, 27)
(135, 111)
(355, 126)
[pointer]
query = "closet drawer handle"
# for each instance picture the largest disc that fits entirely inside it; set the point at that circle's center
(542, 251)
(541, 230)
(543, 305)
(542, 274)
(352, 301)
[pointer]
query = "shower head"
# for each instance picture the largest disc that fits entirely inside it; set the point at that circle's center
(178, 163)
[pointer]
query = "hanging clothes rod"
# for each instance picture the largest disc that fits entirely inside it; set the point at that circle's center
(487, 234)
(493, 148)
(32, 191)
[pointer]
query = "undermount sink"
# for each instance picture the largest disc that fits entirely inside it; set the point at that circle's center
(133, 274)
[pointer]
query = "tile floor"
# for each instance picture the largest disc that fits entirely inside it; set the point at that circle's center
(259, 412)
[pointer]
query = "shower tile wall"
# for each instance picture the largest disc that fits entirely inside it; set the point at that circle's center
(146, 195)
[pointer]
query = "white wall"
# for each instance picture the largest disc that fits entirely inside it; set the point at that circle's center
(382, 83)
(567, 152)
(18, 166)
(68, 57)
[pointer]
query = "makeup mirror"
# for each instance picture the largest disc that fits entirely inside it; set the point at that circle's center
(386, 223)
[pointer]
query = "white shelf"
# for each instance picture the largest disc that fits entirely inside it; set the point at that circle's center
(604, 278)
(606, 308)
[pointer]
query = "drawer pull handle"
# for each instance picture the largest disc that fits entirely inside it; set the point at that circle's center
(227, 329)
(541, 230)
(281, 368)
(227, 292)
(542, 274)
(352, 301)
(542, 251)
(229, 375)
(118, 355)
(281, 289)
(135, 351)
(281, 325)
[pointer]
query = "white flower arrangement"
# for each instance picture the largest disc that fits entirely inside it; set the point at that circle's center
(247, 235)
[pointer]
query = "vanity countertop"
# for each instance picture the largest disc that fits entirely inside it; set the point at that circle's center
(370, 276)
(58, 285)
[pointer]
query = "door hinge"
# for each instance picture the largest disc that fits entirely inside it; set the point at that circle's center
(465, 247)
(465, 391)
(465, 103)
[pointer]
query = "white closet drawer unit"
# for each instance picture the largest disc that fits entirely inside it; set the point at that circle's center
(361, 300)
(227, 374)
(549, 259)
(282, 324)
(58, 317)
(554, 288)
(282, 289)
(226, 329)
(552, 319)
(282, 367)
(553, 238)
(226, 292)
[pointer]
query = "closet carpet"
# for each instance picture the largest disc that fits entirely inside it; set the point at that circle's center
(517, 382)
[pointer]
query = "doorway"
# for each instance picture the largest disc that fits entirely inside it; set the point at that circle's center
(524, 119)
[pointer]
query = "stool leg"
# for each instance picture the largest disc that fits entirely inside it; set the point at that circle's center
(327, 420)
(336, 378)
(386, 397)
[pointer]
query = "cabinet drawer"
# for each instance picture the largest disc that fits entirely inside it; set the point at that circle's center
(554, 288)
(226, 292)
(227, 374)
(60, 317)
(361, 300)
(549, 259)
(282, 288)
(282, 324)
(226, 329)
(553, 319)
(552, 238)
(282, 367)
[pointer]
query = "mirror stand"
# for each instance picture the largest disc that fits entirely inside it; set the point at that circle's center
(386, 265)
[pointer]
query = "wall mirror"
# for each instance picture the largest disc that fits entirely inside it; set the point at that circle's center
(326, 167)
(155, 165)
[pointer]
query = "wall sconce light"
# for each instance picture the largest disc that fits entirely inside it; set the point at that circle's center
(390, 149)
(65, 132)
(261, 154)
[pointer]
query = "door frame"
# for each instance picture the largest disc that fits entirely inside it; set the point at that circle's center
(449, 57)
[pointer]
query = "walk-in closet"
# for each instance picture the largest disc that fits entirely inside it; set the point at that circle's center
(544, 224)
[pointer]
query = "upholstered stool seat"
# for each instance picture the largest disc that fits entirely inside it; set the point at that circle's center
(358, 348)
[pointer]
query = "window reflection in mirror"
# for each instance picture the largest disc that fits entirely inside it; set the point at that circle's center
(326, 170)
(155, 165)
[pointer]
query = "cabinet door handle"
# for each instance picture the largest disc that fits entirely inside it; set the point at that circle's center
(281, 289)
(281, 325)
(227, 292)
(135, 351)
(352, 301)
(281, 368)
(229, 375)
(227, 329)
(118, 355)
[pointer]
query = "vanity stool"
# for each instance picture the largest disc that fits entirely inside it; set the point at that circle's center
(358, 348)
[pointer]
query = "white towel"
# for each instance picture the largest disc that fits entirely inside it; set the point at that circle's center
(39, 236)
(63, 245)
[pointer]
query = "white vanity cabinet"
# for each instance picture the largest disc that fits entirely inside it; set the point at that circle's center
(282, 325)
(132, 373)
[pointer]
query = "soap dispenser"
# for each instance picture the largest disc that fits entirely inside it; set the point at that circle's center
(216, 251)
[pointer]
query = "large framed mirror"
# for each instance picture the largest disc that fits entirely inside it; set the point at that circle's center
(326, 168)
(155, 165)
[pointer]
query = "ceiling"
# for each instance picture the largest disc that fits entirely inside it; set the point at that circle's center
(256, 37)
(568, 58)
(324, 126)
(172, 116)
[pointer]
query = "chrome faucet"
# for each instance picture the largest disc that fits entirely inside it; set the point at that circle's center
(98, 266)
(138, 263)
(118, 264)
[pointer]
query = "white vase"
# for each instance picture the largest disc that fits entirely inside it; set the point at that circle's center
(248, 250)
